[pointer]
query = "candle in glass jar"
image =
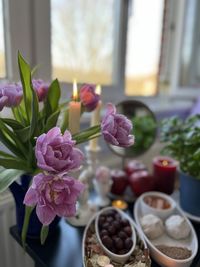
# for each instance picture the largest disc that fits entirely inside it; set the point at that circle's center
(120, 204)
(95, 120)
(164, 172)
(74, 111)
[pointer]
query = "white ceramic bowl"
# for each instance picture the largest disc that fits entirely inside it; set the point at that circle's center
(161, 213)
(163, 260)
(137, 230)
(116, 257)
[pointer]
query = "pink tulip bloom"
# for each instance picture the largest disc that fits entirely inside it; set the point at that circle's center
(116, 128)
(53, 196)
(89, 97)
(10, 95)
(41, 89)
(56, 153)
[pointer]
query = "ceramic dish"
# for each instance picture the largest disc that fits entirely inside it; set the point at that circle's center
(162, 213)
(190, 242)
(116, 257)
(92, 252)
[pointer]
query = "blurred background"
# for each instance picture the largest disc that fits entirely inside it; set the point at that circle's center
(137, 47)
(148, 50)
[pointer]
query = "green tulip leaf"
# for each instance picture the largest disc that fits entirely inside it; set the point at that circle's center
(52, 120)
(7, 177)
(51, 104)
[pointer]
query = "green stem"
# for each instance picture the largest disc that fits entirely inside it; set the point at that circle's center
(64, 104)
(88, 139)
(28, 211)
(87, 133)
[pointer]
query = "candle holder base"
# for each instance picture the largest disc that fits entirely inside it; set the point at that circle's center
(102, 202)
(84, 214)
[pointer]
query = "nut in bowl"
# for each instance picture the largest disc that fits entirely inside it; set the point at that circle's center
(158, 204)
(115, 234)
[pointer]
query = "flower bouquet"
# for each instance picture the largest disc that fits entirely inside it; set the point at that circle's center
(38, 147)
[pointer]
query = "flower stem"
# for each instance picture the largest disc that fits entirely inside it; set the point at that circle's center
(87, 134)
(88, 139)
(28, 211)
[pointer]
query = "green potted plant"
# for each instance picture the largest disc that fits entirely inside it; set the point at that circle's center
(182, 141)
(145, 130)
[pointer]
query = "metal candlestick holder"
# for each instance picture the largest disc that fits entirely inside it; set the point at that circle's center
(92, 159)
(85, 208)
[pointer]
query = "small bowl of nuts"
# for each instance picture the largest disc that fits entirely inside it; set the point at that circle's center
(158, 204)
(115, 234)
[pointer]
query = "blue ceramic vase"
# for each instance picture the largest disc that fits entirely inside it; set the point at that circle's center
(190, 194)
(18, 191)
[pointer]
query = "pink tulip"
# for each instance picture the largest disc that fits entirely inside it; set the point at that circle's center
(88, 97)
(53, 196)
(10, 95)
(56, 153)
(116, 128)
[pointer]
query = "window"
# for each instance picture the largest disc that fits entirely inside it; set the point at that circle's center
(112, 42)
(143, 47)
(190, 52)
(2, 46)
(182, 57)
(82, 40)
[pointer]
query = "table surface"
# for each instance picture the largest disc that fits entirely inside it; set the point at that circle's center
(64, 247)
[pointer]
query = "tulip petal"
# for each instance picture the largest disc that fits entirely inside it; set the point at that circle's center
(70, 210)
(45, 214)
(30, 198)
(110, 138)
(3, 102)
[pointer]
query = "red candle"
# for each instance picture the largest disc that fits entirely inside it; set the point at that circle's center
(119, 182)
(134, 166)
(164, 172)
(141, 182)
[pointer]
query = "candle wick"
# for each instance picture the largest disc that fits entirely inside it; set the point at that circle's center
(165, 163)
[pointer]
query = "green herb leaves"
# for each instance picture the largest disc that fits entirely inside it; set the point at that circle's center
(182, 140)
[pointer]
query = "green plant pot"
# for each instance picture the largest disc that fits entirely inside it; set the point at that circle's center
(190, 194)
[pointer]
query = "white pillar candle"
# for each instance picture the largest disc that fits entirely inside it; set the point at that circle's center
(95, 120)
(74, 111)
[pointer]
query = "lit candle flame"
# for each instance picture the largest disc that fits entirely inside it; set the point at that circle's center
(98, 89)
(75, 90)
(120, 204)
(165, 163)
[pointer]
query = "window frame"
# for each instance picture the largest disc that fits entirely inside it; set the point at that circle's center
(176, 30)
(4, 12)
(35, 17)
(31, 26)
